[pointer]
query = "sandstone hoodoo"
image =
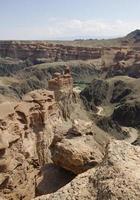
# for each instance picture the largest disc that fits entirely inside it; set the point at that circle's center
(62, 86)
(61, 81)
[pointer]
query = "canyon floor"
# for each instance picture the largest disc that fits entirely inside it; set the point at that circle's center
(70, 119)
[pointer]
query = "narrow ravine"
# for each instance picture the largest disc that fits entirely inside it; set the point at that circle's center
(132, 132)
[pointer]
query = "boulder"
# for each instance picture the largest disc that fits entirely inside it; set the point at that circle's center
(117, 177)
(76, 154)
(80, 128)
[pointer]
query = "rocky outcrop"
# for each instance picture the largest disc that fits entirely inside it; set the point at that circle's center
(114, 90)
(128, 114)
(28, 129)
(95, 94)
(26, 132)
(47, 136)
(118, 104)
(9, 66)
(43, 51)
(113, 128)
(117, 177)
(75, 153)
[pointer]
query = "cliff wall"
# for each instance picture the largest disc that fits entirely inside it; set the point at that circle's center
(49, 52)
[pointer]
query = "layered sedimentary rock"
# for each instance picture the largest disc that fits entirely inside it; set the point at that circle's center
(30, 74)
(25, 135)
(27, 130)
(48, 145)
(62, 82)
(43, 51)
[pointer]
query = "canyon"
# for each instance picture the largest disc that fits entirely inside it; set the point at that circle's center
(70, 119)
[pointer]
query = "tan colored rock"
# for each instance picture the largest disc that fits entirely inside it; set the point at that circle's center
(39, 96)
(117, 177)
(6, 108)
(25, 136)
(49, 52)
(3, 142)
(76, 154)
(81, 127)
(79, 188)
(80, 147)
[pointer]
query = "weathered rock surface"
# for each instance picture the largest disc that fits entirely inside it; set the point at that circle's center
(79, 150)
(27, 130)
(44, 51)
(38, 130)
(112, 90)
(95, 93)
(75, 155)
(119, 101)
(80, 128)
(33, 62)
(128, 114)
(117, 177)
(25, 135)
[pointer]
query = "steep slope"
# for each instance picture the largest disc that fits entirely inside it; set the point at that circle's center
(30, 130)
(40, 51)
(113, 90)
(118, 99)
(26, 131)
(134, 37)
(128, 114)
(48, 135)
(33, 62)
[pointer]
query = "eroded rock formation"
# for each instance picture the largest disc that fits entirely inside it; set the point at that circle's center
(79, 151)
(43, 51)
(49, 143)
(27, 130)
(117, 177)
(25, 135)
(31, 132)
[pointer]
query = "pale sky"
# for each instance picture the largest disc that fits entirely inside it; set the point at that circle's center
(67, 19)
